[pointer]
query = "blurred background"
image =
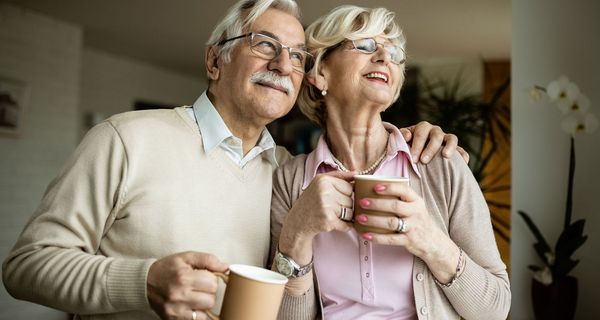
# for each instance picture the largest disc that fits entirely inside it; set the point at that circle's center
(66, 65)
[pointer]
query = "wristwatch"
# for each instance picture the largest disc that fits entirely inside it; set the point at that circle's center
(290, 268)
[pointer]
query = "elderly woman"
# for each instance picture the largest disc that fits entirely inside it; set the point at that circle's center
(441, 261)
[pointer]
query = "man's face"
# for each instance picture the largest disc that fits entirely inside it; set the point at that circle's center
(260, 103)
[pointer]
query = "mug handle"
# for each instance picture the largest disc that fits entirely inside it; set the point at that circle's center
(225, 279)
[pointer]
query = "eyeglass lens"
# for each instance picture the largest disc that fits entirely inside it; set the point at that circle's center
(369, 45)
(270, 48)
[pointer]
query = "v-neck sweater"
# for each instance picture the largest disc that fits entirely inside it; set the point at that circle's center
(139, 187)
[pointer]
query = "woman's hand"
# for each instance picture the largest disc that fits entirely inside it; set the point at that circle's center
(316, 210)
(422, 236)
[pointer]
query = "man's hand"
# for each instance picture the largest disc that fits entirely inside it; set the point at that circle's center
(425, 132)
(182, 283)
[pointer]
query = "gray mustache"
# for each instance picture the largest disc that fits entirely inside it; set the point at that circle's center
(272, 78)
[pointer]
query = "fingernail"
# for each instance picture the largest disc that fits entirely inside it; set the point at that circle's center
(379, 187)
(362, 218)
(425, 158)
(364, 202)
(367, 236)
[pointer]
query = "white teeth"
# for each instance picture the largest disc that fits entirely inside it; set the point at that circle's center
(377, 75)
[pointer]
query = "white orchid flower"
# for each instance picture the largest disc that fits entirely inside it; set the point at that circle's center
(578, 123)
(580, 104)
(562, 90)
(543, 276)
(535, 93)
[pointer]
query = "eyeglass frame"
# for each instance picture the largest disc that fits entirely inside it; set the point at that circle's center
(250, 35)
(331, 49)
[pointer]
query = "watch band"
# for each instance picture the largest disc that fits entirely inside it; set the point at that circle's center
(291, 268)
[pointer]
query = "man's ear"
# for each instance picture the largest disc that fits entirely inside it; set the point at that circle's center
(211, 61)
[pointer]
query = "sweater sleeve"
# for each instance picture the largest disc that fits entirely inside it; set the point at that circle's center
(287, 182)
(56, 260)
(482, 291)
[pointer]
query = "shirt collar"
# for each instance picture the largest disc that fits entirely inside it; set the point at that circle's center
(322, 154)
(214, 131)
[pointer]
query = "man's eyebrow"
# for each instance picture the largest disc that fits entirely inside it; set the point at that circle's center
(272, 35)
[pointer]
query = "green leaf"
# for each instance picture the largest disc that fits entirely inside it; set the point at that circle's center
(570, 239)
(541, 241)
(563, 267)
(534, 268)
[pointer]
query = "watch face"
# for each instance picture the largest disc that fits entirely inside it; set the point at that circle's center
(284, 267)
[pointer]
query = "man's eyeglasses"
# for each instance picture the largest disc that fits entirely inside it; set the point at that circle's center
(268, 48)
(369, 45)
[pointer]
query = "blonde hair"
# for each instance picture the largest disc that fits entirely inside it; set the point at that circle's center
(346, 22)
(241, 16)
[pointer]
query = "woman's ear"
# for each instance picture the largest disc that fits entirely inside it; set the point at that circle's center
(211, 61)
(317, 79)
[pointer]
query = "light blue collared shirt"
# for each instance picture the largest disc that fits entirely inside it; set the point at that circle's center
(215, 134)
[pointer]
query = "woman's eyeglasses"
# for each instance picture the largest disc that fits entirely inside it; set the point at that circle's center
(369, 45)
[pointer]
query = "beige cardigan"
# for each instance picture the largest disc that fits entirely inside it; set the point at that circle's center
(455, 202)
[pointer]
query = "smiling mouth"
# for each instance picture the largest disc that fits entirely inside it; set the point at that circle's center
(273, 86)
(377, 76)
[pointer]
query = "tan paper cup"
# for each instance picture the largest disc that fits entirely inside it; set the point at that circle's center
(252, 293)
(363, 188)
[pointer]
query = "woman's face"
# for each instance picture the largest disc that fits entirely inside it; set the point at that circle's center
(358, 76)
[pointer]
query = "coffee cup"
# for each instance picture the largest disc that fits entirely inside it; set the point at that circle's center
(363, 188)
(251, 293)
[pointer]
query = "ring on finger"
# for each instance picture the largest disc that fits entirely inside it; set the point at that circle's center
(402, 226)
(345, 214)
(194, 315)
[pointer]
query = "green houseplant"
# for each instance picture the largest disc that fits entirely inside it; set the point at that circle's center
(482, 126)
(554, 292)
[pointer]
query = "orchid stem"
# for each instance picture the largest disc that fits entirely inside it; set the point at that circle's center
(569, 208)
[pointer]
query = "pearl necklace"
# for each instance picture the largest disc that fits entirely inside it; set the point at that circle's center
(368, 170)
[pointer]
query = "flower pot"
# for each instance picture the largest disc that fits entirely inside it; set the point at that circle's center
(555, 301)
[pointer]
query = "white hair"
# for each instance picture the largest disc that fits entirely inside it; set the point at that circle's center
(241, 16)
(346, 22)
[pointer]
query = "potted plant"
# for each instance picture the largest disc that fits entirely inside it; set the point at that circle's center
(554, 291)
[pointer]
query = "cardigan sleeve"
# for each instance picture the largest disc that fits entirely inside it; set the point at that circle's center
(56, 260)
(482, 291)
(287, 183)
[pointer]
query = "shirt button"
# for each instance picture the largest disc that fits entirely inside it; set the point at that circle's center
(366, 243)
(420, 277)
(366, 258)
(423, 310)
(367, 274)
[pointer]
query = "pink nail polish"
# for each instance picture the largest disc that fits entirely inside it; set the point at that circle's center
(364, 202)
(367, 236)
(362, 218)
(379, 187)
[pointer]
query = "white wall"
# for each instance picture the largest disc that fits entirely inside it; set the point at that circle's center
(550, 38)
(111, 84)
(45, 54)
(65, 82)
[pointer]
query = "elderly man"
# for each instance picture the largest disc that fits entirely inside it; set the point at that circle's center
(151, 202)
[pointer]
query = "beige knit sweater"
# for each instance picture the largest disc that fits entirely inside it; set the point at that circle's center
(138, 187)
(456, 204)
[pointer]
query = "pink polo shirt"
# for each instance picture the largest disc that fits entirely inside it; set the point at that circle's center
(359, 279)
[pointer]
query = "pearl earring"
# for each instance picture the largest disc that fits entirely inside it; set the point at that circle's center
(324, 92)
